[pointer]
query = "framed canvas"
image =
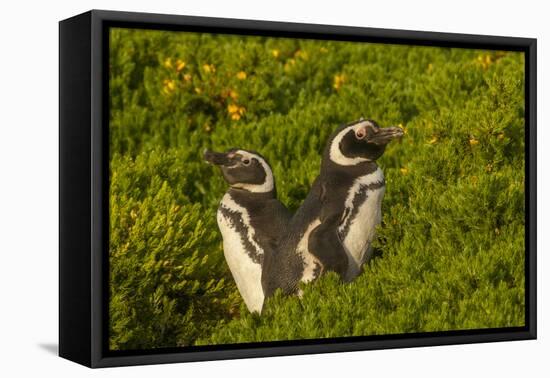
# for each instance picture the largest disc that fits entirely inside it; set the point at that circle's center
(234, 188)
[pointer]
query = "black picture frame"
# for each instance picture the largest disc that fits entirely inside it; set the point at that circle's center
(83, 181)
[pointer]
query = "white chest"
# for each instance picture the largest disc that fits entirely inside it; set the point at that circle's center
(242, 253)
(362, 215)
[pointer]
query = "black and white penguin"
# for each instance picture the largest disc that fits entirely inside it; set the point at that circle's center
(250, 219)
(335, 226)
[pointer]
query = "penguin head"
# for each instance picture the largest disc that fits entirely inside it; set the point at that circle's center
(360, 141)
(242, 169)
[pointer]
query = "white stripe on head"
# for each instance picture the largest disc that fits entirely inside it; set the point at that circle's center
(335, 152)
(269, 183)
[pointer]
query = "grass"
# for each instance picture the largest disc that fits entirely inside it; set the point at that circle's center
(451, 246)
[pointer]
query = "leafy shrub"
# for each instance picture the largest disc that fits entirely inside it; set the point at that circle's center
(450, 249)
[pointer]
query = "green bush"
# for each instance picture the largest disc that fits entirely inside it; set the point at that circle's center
(450, 252)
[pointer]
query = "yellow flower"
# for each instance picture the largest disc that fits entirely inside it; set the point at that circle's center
(187, 77)
(430, 67)
(403, 128)
(198, 90)
(324, 50)
(433, 140)
(339, 80)
(232, 108)
(500, 136)
(473, 141)
(168, 63)
(236, 111)
(484, 61)
(209, 68)
(289, 64)
(180, 65)
(233, 94)
(404, 171)
(275, 53)
(169, 85)
(241, 75)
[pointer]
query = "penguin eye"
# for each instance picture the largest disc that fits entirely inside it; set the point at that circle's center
(360, 134)
(246, 162)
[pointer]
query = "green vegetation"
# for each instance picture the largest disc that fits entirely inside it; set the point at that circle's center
(451, 246)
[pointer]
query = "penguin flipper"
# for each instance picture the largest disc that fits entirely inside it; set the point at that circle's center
(324, 243)
(270, 273)
(279, 271)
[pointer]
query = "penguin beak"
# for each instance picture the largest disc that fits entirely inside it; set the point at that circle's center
(385, 135)
(216, 158)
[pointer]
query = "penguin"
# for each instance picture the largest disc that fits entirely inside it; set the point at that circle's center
(250, 219)
(334, 227)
